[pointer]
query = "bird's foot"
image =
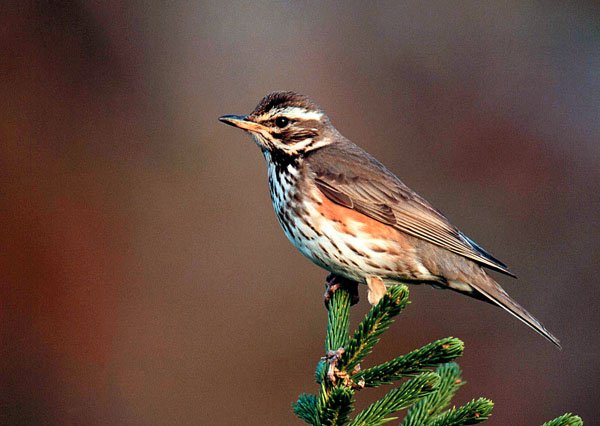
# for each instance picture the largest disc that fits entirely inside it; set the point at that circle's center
(335, 282)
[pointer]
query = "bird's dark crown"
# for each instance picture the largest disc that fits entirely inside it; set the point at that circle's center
(281, 100)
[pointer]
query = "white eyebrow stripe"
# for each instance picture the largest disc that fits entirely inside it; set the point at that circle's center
(299, 113)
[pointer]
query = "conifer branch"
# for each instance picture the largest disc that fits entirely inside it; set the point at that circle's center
(433, 404)
(337, 407)
(397, 399)
(471, 413)
(417, 361)
(567, 419)
(426, 394)
(379, 319)
(306, 408)
(338, 321)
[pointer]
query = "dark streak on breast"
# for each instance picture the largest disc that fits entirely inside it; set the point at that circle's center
(304, 221)
(372, 264)
(355, 250)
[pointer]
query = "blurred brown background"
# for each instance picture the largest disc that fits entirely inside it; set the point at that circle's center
(145, 280)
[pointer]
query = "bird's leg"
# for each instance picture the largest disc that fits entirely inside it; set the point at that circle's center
(334, 282)
(376, 289)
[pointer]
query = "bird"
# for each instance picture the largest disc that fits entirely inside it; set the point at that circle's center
(350, 215)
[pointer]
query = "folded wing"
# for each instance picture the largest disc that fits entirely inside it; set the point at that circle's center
(369, 188)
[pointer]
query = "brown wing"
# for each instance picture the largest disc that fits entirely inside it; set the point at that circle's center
(349, 176)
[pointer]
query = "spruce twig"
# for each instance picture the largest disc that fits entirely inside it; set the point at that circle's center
(567, 419)
(426, 394)
(306, 408)
(429, 407)
(397, 399)
(417, 361)
(377, 320)
(337, 407)
(471, 413)
(338, 321)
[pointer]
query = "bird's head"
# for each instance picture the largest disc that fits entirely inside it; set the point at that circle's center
(285, 123)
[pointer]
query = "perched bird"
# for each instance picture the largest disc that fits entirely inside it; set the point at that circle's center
(350, 215)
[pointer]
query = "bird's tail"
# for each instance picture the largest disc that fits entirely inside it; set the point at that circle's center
(492, 291)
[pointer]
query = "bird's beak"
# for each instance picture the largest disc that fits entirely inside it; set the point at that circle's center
(242, 122)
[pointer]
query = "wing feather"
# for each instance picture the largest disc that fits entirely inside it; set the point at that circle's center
(369, 188)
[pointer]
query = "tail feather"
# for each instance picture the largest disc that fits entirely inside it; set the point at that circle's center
(495, 294)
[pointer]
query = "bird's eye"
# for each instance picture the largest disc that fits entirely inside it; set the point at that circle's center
(281, 122)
